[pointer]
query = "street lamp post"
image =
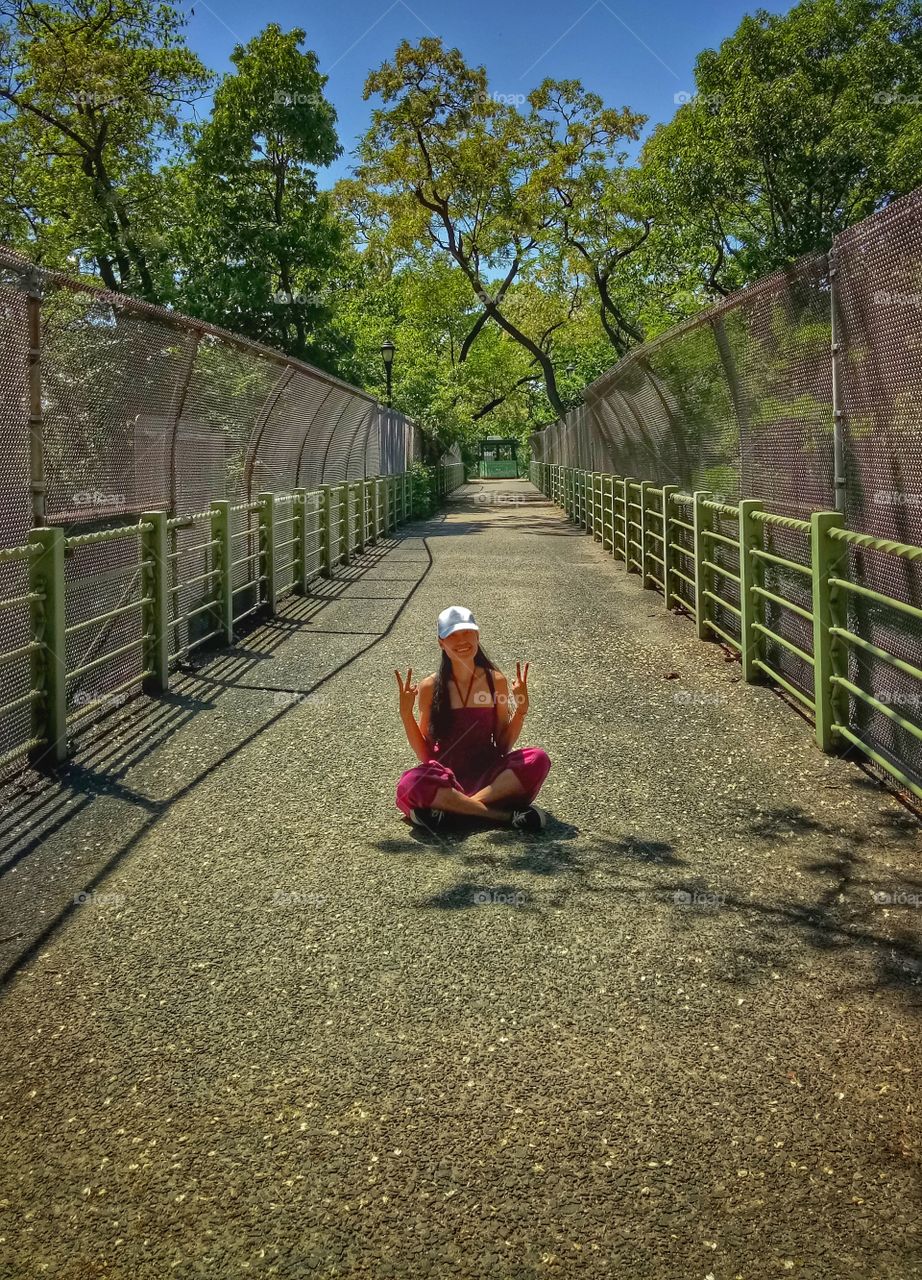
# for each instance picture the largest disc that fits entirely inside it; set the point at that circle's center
(387, 355)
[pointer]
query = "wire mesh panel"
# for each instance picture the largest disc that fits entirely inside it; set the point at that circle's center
(103, 617)
(724, 578)
(15, 501)
(15, 635)
(879, 312)
(111, 382)
(287, 519)
(145, 410)
(788, 626)
(779, 370)
(683, 550)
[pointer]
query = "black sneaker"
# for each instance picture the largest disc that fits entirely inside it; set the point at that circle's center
(530, 819)
(432, 819)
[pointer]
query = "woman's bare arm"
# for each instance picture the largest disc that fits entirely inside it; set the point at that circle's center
(417, 733)
(510, 717)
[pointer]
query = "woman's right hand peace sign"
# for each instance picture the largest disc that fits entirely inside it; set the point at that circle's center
(408, 692)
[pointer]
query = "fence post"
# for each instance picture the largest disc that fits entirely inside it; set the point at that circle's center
(343, 490)
(155, 615)
(221, 534)
(299, 500)
(410, 494)
(326, 531)
(825, 559)
(629, 483)
(617, 516)
(701, 521)
(645, 487)
(668, 554)
(48, 663)
(374, 508)
(750, 576)
(267, 546)
(359, 487)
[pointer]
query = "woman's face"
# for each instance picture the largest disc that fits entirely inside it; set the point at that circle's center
(462, 645)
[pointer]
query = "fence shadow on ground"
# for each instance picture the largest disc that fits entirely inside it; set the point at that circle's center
(35, 808)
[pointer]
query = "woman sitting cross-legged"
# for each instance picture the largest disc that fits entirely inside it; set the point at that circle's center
(465, 740)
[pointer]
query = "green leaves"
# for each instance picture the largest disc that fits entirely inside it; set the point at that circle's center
(90, 96)
(802, 124)
(255, 240)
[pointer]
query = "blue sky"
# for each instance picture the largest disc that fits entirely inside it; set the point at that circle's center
(634, 53)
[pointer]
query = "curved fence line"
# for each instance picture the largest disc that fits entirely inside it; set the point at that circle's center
(173, 600)
(802, 393)
(115, 413)
(780, 593)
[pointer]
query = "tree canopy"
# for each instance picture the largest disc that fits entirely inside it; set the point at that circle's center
(512, 250)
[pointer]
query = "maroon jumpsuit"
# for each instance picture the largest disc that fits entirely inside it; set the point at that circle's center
(469, 758)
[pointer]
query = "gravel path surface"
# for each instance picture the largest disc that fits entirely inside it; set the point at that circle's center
(673, 1037)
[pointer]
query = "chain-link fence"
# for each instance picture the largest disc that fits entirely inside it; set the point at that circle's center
(804, 392)
(110, 408)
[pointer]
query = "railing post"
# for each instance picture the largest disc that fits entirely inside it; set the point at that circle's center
(156, 613)
(343, 491)
(374, 509)
(825, 558)
(267, 547)
(326, 530)
(360, 513)
(750, 576)
(701, 521)
(617, 503)
(223, 579)
(299, 500)
(645, 486)
(48, 675)
(668, 553)
(629, 483)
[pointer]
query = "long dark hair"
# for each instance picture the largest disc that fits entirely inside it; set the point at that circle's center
(440, 710)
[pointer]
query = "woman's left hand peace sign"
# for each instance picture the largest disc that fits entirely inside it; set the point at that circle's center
(520, 688)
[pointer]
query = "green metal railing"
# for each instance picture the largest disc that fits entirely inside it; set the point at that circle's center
(285, 540)
(672, 540)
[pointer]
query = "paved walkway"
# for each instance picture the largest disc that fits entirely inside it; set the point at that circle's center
(673, 1037)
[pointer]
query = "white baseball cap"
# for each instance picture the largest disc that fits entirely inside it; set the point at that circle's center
(456, 618)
